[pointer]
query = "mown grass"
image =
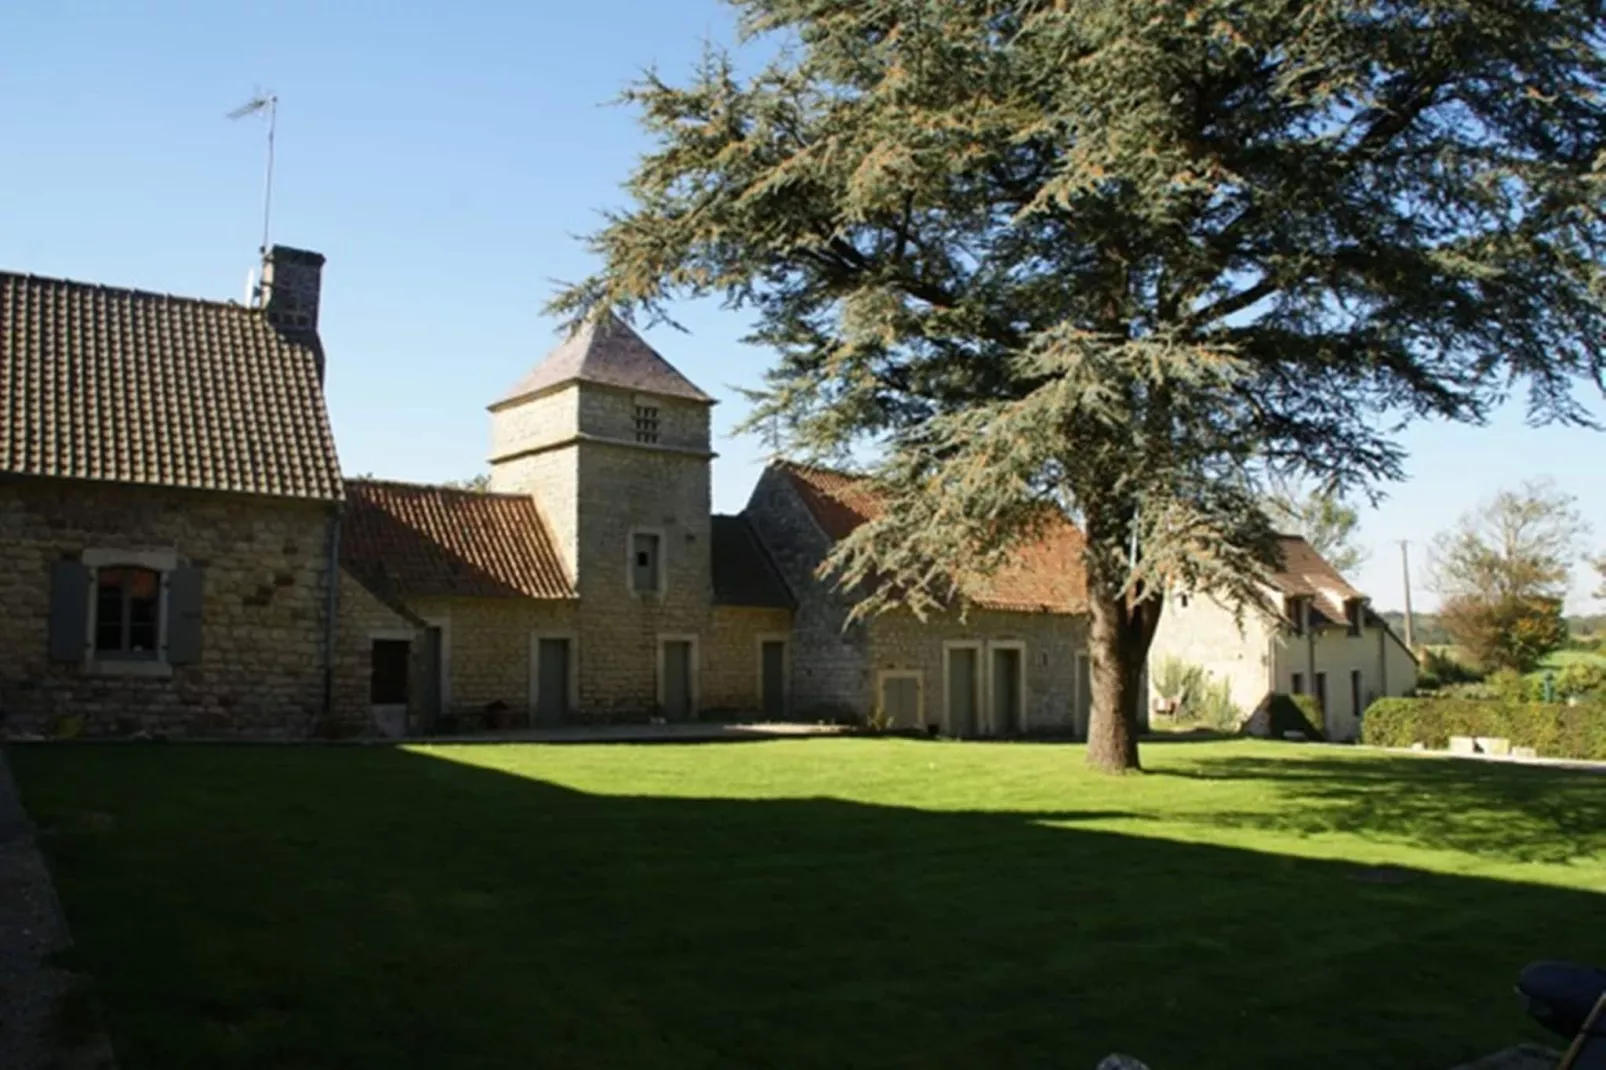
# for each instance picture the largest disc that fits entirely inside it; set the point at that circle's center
(827, 903)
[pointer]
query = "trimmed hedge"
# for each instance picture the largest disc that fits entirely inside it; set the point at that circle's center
(1551, 729)
(1295, 713)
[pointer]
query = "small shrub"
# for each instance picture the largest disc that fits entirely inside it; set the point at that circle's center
(1296, 713)
(878, 719)
(1580, 680)
(1214, 708)
(1553, 730)
(1192, 696)
(1178, 683)
(1440, 669)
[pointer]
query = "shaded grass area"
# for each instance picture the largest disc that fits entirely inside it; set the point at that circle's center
(812, 903)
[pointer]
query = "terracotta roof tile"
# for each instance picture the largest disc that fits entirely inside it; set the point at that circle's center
(402, 540)
(1046, 575)
(606, 350)
(134, 387)
(744, 575)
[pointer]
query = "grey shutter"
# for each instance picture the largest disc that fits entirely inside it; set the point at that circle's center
(69, 611)
(184, 615)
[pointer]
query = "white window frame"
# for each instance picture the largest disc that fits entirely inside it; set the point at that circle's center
(162, 562)
(663, 563)
(535, 667)
(785, 639)
(918, 676)
(1020, 681)
(948, 648)
(665, 638)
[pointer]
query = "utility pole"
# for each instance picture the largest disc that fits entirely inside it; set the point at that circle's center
(1405, 565)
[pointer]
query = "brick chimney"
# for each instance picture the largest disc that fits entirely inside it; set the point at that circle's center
(291, 280)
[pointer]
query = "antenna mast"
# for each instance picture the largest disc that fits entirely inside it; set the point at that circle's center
(269, 103)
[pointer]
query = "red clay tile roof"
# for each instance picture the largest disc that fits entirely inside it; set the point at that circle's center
(1306, 572)
(606, 350)
(402, 540)
(134, 387)
(1045, 575)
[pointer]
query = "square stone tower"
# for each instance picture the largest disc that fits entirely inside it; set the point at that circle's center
(614, 444)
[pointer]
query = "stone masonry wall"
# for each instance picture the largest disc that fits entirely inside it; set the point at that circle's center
(486, 643)
(611, 414)
(731, 674)
(830, 667)
(550, 476)
(361, 616)
(901, 642)
(265, 564)
(624, 489)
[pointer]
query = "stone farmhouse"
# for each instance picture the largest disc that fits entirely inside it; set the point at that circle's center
(186, 559)
(1324, 640)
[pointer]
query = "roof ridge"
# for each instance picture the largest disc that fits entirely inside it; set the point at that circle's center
(415, 485)
(129, 291)
(808, 466)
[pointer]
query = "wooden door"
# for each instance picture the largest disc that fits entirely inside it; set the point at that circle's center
(963, 691)
(552, 682)
(1006, 673)
(677, 680)
(772, 683)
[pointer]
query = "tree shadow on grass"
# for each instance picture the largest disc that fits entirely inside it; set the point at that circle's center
(379, 908)
(1518, 813)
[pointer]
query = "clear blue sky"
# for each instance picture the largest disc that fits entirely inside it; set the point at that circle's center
(444, 156)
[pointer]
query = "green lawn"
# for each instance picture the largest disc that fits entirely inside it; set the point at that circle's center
(1563, 658)
(830, 903)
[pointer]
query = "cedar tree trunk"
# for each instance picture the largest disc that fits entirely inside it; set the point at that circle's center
(1118, 647)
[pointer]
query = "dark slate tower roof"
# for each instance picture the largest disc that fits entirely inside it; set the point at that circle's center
(606, 350)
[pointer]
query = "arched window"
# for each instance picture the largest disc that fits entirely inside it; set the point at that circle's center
(128, 608)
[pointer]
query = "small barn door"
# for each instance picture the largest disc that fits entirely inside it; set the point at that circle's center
(1084, 694)
(772, 669)
(551, 682)
(677, 669)
(963, 691)
(1006, 674)
(900, 700)
(429, 683)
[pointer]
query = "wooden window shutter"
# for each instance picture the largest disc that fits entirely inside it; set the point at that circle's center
(69, 610)
(184, 615)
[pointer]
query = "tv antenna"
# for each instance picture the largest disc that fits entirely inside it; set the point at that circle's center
(263, 103)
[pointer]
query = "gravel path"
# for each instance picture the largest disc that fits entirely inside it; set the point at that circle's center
(47, 1021)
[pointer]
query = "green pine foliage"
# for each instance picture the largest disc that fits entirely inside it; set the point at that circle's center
(1121, 261)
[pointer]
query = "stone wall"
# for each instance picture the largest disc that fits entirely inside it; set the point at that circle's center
(486, 649)
(731, 679)
(899, 642)
(264, 564)
(610, 413)
(622, 490)
(362, 618)
(550, 476)
(1201, 630)
(830, 674)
